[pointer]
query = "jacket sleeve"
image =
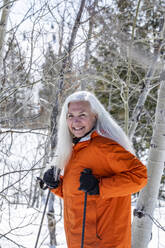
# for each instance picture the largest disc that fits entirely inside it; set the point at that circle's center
(58, 191)
(127, 174)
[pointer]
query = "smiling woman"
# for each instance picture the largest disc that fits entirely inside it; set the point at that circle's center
(102, 164)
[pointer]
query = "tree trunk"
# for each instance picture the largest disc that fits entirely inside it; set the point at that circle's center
(3, 26)
(52, 222)
(91, 10)
(142, 227)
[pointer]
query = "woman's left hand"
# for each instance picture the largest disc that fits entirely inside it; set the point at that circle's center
(88, 182)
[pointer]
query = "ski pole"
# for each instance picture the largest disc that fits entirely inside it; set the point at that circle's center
(84, 217)
(39, 231)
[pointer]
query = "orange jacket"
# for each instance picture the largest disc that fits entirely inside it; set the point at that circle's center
(108, 215)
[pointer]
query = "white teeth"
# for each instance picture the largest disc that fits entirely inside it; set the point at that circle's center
(77, 129)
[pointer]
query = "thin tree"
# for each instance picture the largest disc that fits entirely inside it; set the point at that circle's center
(92, 11)
(142, 227)
(3, 26)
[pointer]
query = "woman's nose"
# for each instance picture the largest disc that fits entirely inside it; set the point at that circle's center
(76, 119)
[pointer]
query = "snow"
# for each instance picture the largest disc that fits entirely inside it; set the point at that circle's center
(24, 223)
(20, 223)
(158, 235)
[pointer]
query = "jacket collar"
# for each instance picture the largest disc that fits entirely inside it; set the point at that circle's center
(86, 140)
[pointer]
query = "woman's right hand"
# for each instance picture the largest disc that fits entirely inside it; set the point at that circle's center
(49, 179)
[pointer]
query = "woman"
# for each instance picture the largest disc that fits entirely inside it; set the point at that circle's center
(97, 157)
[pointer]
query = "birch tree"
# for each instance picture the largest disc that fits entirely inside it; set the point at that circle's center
(142, 227)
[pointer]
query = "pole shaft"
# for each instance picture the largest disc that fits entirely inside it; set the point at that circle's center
(84, 217)
(39, 231)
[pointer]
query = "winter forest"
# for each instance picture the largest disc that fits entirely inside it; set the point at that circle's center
(48, 50)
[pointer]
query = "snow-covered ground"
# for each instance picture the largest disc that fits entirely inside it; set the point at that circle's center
(19, 223)
(158, 235)
(22, 226)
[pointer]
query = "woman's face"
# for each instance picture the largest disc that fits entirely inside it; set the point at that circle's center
(80, 118)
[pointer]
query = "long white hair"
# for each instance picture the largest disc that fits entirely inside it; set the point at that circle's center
(105, 126)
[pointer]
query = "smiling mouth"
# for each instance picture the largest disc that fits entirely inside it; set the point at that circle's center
(78, 129)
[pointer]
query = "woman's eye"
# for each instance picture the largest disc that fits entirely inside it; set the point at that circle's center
(82, 115)
(70, 116)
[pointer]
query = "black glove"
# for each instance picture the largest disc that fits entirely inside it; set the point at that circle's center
(49, 180)
(88, 182)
